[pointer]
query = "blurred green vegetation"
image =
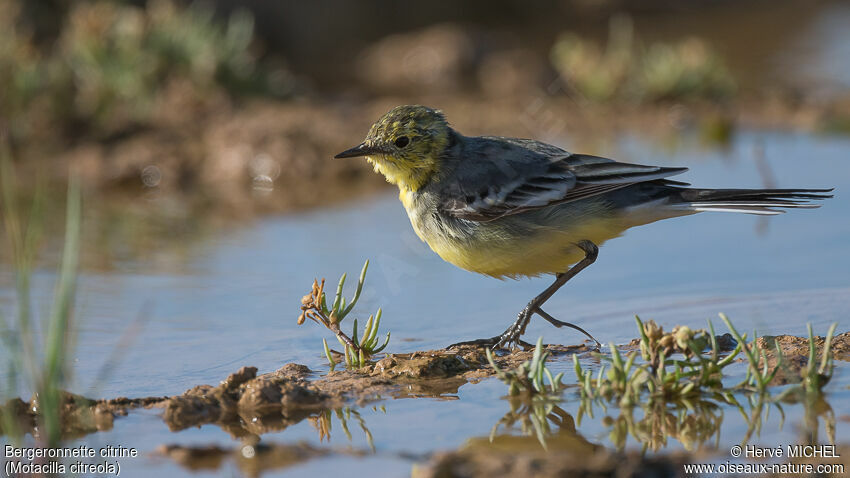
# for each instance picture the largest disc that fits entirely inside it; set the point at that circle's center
(626, 70)
(38, 351)
(115, 67)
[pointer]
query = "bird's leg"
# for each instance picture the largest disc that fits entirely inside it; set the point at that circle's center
(517, 329)
(512, 335)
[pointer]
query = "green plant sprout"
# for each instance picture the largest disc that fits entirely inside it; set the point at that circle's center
(528, 377)
(814, 379)
(662, 378)
(683, 398)
(358, 349)
(757, 377)
(659, 376)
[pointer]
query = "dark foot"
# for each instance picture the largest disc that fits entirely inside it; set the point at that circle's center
(510, 337)
(492, 342)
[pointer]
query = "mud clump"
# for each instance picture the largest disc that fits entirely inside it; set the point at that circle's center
(793, 346)
(516, 456)
(795, 354)
(725, 343)
(466, 361)
(523, 456)
(245, 395)
(80, 416)
(432, 364)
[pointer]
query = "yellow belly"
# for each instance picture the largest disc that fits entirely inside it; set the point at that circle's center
(547, 252)
(547, 245)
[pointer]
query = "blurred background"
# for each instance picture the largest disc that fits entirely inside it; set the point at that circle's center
(234, 108)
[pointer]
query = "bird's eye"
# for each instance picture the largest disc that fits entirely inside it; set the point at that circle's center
(402, 141)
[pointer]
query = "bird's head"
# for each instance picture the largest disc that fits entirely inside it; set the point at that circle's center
(405, 145)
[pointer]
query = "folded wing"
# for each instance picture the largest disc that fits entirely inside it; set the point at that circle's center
(500, 177)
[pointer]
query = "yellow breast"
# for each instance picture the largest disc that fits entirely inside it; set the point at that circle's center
(496, 249)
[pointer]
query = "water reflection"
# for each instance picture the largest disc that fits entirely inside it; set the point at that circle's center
(250, 459)
(697, 423)
(322, 423)
(691, 423)
(536, 416)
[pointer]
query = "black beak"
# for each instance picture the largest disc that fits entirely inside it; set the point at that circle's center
(360, 150)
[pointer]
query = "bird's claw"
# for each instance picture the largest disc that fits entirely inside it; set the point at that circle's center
(511, 336)
(495, 343)
(509, 339)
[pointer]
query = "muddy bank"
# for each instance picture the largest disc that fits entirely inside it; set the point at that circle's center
(523, 456)
(247, 404)
(274, 156)
(516, 456)
(81, 416)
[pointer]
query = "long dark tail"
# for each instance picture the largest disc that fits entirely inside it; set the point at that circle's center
(751, 201)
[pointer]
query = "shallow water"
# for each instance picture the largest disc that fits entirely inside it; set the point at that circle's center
(236, 301)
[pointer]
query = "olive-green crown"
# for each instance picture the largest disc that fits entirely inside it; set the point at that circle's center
(408, 120)
(409, 141)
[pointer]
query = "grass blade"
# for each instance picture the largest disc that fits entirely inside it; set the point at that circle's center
(358, 290)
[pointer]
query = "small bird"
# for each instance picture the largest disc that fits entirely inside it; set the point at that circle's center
(511, 208)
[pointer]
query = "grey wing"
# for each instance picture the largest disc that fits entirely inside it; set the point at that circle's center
(502, 176)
